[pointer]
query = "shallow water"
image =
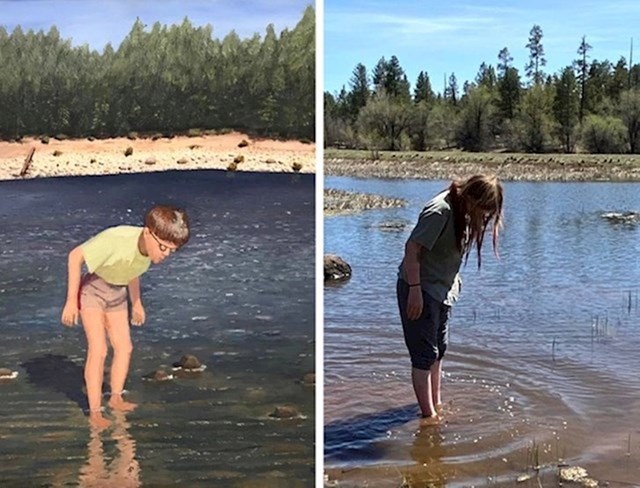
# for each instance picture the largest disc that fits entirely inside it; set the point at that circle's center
(239, 295)
(544, 345)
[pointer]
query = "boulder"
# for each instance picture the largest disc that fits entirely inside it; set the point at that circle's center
(336, 268)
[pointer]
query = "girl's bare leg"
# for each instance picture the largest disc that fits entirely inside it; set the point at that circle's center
(93, 323)
(120, 338)
(422, 388)
(436, 375)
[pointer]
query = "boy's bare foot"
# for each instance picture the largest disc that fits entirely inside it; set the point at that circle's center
(117, 403)
(97, 421)
(429, 420)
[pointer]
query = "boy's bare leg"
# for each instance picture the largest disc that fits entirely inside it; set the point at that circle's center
(120, 338)
(436, 375)
(422, 387)
(94, 327)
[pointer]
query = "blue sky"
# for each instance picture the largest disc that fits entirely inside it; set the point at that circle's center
(456, 36)
(98, 22)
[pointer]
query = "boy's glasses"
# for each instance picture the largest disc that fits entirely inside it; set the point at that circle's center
(161, 246)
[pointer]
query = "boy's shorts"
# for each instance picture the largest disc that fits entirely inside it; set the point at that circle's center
(96, 293)
(427, 337)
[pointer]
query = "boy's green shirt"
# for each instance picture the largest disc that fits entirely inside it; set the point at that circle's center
(114, 256)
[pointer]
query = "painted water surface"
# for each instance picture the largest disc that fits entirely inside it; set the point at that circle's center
(239, 295)
(544, 348)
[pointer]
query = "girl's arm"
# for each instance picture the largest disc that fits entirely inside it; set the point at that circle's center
(412, 261)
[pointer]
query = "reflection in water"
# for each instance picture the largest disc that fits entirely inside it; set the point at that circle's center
(428, 451)
(123, 470)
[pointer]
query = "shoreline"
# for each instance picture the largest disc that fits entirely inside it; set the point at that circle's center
(81, 157)
(447, 165)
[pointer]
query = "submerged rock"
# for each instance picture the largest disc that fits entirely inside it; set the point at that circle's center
(7, 374)
(285, 412)
(577, 474)
(622, 217)
(336, 268)
(159, 375)
(393, 226)
(309, 379)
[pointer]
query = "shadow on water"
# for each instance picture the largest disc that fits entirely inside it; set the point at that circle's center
(353, 439)
(58, 373)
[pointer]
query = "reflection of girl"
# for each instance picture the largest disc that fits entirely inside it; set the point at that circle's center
(429, 282)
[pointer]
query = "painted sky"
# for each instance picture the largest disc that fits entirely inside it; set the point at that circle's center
(456, 36)
(98, 22)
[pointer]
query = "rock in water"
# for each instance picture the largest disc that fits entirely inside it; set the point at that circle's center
(336, 268)
(309, 379)
(159, 375)
(284, 413)
(188, 361)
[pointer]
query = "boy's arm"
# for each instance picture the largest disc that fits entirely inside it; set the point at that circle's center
(137, 310)
(134, 291)
(74, 269)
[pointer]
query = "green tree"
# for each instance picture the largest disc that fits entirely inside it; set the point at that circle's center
(582, 68)
(423, 91)
(630, 115)
(383, 122)
(533, 69)
(566, 108)
(603, 135)
(474, 132)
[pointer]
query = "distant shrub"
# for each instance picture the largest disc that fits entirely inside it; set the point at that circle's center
(44, 139)
(61, 137)
(603, 135)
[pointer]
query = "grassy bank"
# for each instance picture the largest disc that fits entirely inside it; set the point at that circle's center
(508, 166)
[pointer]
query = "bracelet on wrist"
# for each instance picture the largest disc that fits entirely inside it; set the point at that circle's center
(415, 284)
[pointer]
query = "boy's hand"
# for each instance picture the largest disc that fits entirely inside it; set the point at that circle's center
(70, 314)
(137, 314)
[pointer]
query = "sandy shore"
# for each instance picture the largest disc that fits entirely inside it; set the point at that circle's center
(102, 157)
(448, 165)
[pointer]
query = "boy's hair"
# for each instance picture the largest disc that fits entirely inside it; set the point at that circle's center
(168, 223)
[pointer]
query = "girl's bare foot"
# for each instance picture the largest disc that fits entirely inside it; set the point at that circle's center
(117, 403)
(97, 421)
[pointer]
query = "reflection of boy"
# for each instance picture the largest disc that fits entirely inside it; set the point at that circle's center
(116, 258)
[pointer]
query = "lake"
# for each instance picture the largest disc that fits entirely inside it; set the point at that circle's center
(240, 296)
(544, 353)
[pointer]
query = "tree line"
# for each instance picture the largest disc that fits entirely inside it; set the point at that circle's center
(163, 79)
(590, 105)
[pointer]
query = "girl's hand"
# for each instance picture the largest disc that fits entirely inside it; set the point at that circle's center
(70, 313)
(137, 314)
(414, 303)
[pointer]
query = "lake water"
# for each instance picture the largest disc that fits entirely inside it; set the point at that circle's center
(544, 347)
(239, 295)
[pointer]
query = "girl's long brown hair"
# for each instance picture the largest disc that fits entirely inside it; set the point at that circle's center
(471, 200)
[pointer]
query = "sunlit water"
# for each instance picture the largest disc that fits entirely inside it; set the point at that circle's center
(239, 295)
(544, 355)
